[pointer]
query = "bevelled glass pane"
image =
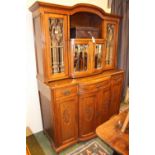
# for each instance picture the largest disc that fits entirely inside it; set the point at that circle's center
(98, 55)
(80, 57)
(57, 43)
(110, 43)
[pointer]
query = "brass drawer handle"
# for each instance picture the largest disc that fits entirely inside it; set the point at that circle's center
(67, 92)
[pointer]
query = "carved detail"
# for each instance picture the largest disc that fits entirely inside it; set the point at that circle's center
(66, 116)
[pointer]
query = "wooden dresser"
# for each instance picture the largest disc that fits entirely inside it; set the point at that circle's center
(76, 57)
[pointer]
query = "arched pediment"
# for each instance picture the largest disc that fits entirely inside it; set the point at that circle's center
(82, 7)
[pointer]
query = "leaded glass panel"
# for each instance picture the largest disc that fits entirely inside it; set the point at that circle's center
(57, 44)
(110, 43)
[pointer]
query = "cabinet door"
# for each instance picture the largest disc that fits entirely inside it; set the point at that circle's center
(103, 103)
(87, 104)
(56, 62)
(110, 32)
(98, 53)
(116, 90)
(80, 55)
(67, 125)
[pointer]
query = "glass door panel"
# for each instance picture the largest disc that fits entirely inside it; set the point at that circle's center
(98, 56)
(80, 57)
(56, 26)
(80, 54)
(110, 44)
(110, 56)
(56, 53)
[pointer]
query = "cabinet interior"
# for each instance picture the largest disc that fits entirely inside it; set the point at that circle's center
(86, 20)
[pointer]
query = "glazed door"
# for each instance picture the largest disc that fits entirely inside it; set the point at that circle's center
(80, 57)
(87, 104)
(98, 53)
(103, 103)
(110, 34)
(116, 90)
(67, 117)
(56, 46)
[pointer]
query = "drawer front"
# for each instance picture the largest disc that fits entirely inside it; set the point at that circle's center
(66, 91)
(94, 87)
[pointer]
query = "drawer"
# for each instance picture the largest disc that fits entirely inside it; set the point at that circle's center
(94, 86)
(66, 91)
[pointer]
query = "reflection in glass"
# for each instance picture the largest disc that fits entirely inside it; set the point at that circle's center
(98, 56)
(80, 57)
(57, 50)
(110, 43)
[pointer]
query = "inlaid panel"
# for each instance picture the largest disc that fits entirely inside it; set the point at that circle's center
(87, 114)
(67, 113)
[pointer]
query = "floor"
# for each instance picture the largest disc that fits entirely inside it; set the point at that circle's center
(39, 145)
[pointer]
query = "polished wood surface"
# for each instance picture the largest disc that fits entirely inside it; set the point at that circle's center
(110, 133)
(87, 103)
(79, 15)
(82, 103)
(80, 7)
(74, 101)
(116, 90)
(67, 110)
(66, 92)
(84, 80)
(103, 102)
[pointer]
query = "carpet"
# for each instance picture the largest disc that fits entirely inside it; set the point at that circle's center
(39, 144)
(91, 148)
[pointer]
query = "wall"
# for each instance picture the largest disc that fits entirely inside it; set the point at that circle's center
(33, 115)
